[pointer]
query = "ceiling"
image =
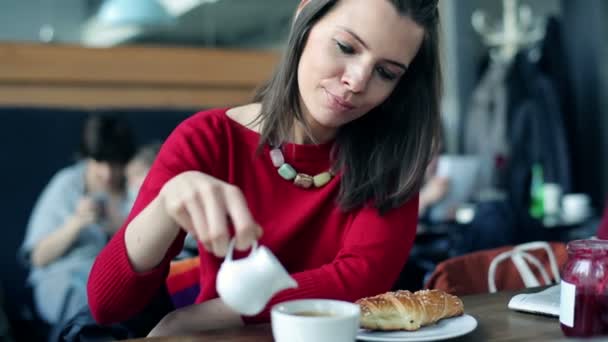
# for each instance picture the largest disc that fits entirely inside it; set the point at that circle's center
(222, 23)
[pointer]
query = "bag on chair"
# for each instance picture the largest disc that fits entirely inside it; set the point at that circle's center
(469, 273)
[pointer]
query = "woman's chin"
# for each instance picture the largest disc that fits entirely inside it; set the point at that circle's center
(329, 123)
(333, 119)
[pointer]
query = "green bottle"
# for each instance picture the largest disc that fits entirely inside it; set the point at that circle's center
(537, 207)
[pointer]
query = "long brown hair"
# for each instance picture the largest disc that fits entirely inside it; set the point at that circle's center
(382, 155)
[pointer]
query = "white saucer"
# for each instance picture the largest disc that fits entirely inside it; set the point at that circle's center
(444, 329)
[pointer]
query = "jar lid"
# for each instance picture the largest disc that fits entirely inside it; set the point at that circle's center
(589, 247)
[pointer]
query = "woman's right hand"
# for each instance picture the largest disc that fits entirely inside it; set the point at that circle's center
(203, 206)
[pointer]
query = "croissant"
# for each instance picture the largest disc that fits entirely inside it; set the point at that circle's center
(404, 310)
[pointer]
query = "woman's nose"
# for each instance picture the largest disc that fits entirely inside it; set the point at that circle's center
(356, 77)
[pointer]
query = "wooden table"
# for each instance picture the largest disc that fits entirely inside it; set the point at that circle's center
(495, 323)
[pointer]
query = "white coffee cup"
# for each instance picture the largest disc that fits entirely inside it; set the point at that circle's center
(247, 285)
(318, 320)
(576, 207)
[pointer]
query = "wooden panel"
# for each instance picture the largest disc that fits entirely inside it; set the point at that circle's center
(52, 63)
(59, 75)
(92, 97)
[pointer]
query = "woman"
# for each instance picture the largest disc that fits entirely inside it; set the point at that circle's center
(76, 213)
(354, 103)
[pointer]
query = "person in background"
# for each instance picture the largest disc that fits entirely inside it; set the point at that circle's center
(78, 210)
(434, 189)
(137, 170)
(135, 173)
(323, 168)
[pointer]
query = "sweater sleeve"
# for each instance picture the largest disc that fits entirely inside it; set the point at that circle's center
(116, 292)
(373, 253)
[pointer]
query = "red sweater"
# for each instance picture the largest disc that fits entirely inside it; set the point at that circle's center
(329, 252)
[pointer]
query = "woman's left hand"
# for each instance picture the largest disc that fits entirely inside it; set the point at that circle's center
(213, 314)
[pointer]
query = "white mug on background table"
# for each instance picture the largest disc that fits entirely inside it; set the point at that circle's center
(576, 207)
(551, 199)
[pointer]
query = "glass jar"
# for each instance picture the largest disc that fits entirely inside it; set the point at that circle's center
(584, 291)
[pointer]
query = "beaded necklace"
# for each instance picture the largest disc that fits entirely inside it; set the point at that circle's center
(303, 180)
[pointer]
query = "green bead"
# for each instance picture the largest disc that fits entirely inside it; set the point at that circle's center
(287, 172)
(321, 179)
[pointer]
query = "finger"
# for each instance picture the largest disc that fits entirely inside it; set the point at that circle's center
(205, 243)
(84, 208)
(179, 213)
(245, 228)
(88, 219)
(184, 220)
(86, 211)
(187, 225)
(207, 247)
(87, 203)
(197, 214)
(215, 212)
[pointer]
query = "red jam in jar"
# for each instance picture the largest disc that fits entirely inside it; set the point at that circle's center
(584, 290)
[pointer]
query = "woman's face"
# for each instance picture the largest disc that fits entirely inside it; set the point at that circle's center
(103, 176)
(353, 59)
(136, 172)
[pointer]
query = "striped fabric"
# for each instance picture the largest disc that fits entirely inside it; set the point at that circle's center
(183, 282)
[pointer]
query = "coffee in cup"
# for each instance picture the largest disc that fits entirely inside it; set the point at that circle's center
(319, 320)
(314, 314)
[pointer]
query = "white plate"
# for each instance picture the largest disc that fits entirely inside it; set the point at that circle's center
(444, 329)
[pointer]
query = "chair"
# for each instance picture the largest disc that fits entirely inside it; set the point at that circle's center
(521, 258)
(486, 271)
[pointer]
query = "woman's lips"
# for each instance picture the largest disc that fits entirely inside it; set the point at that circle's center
(338, 103)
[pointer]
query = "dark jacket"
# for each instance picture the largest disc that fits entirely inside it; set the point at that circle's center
(535, 132)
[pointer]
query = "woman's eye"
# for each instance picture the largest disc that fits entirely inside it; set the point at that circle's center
(345, 48)
(384, 73)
